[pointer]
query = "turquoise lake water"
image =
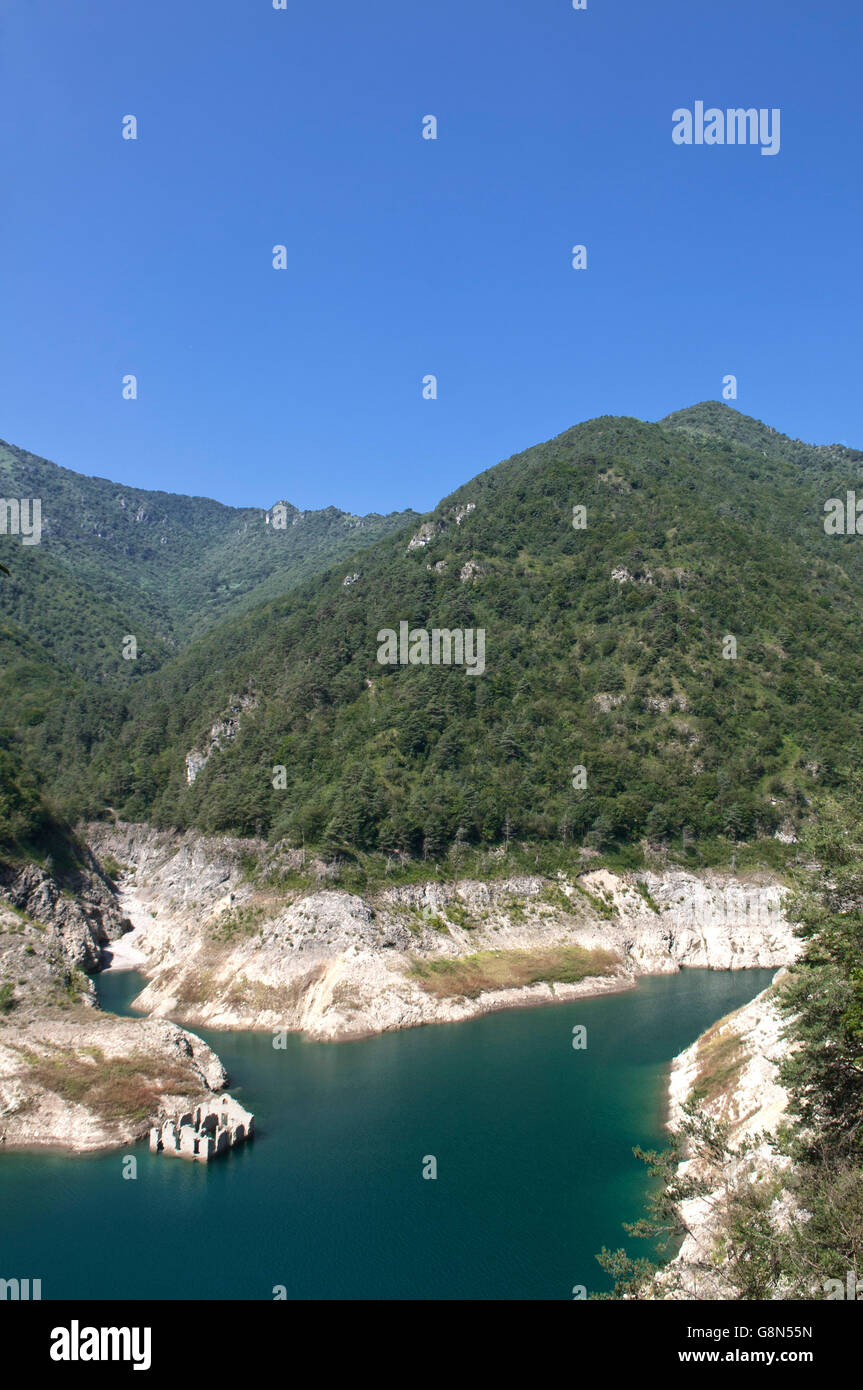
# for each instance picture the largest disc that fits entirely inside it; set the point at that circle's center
(533, 1142)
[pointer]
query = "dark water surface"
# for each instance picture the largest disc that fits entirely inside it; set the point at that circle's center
(533, 1142)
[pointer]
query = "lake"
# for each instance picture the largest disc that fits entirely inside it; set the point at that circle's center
(533, 1142)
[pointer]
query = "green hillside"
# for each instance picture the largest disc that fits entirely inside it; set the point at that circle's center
(713, 420)
(30, 829)
(115, 560)
(604, 649)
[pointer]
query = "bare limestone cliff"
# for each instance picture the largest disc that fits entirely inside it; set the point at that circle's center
(731, 1070)
(335, 965)
(218, 950)
(79, 905)
(71, 1075)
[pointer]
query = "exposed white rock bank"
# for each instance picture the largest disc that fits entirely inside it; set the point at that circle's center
(733, 1071)
(338, 966)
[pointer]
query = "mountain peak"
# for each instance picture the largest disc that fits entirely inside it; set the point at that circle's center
(716, 420)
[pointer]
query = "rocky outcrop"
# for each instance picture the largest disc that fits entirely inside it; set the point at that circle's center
(424, 535)
(70, 1075)
(732, 1070)
(715, 921)
(223, 731)
(80, 907)
(88, 1080)
(459, 513)
(621, 575)
(429, 530)
(334, 965)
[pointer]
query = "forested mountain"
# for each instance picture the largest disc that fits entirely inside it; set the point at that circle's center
(114, 560)
(605, 648)
(713, 420)
(29, 827)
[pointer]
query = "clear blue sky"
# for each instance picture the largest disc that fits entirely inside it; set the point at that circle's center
(408, 256)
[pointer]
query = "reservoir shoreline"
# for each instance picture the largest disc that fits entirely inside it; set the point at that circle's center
(533, 1140)
(207, 954)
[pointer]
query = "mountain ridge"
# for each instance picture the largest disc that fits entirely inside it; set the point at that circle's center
(195, 559)
(608, 641)
(717, 418)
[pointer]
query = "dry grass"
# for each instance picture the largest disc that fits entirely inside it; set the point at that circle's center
(469, 976)
(116, 1088)
(196, 987)
(720, 1057)
(247, 919)
(258, 997)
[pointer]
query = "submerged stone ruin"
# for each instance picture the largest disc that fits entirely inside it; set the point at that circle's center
(211, 1129)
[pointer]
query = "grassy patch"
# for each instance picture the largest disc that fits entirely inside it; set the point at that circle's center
(720, 1057)
(458, 913)
(112, 868)
(605, 909)
(115, 1088)
(514, 909)
(242, 921)
(345, 997)
(644, 892)
(257, 997)
(765, 855)
(24, 920)
(250, 866)
(76, 983)
(420, 917)
(554, 895)
(622, 858)
(470, 976)
(196, 987)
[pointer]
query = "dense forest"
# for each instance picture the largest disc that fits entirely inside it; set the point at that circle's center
(114, 560)
(30, 828)
(607, 649)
